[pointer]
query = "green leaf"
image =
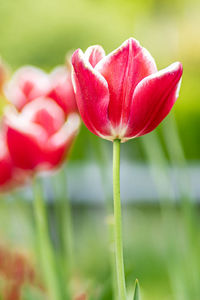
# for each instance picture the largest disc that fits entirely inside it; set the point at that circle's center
(136, 291)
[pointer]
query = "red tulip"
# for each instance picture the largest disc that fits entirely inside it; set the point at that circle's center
(29, 83)
(122, 95)
(39, 137)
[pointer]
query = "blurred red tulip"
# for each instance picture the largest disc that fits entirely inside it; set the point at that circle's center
(122, 95)
(39, 137)
(29, 83)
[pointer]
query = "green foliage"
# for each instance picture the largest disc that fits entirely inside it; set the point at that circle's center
(32, 293)
(136, 295)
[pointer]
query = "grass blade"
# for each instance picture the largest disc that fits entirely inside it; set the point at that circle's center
(136, 295)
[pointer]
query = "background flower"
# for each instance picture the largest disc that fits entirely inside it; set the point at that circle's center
(39, 137)
(29, 83)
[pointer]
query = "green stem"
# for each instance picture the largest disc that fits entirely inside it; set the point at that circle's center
(103, 162)
(64, 216)
(44, 244)
(117, 222)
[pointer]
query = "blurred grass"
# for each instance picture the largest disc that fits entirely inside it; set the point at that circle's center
(144, 240)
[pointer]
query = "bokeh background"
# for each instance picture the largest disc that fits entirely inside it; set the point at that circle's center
(160, 172)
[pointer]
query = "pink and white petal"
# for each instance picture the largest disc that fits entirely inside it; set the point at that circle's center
(57, 75)
(25, 141)
(45, 112)
(15, 95)
(123, 69)
(153, 99)
(92, 95)
(27, 84)
(60, 143)
(94, 54)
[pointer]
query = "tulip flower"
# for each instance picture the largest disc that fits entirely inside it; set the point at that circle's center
(121, 96)
(29, 83)
(39, 137)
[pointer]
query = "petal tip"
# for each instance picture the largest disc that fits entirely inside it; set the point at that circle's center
(77, 54)
(176, 67)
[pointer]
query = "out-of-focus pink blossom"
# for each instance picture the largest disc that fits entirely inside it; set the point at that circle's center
(39, 137)
(28, 83)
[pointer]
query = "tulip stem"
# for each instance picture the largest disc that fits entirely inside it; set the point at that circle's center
(44, 243)
(117, 222)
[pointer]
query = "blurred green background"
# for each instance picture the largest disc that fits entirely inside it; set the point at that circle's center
(161, 241)
(41, 32)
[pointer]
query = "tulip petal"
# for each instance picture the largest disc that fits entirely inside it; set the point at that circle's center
(62, 90)
(153, 99)
(26, 84)
(6, 165)
(123, 69)
(46, 113)
(60, 143)
(94, 54)
(92, 95)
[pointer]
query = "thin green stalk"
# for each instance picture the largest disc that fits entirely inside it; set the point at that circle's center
(117, 223)
(65, 257)
(65, 220)
(103, 161)
(68, 233)
(45, 247)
